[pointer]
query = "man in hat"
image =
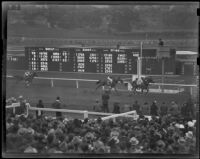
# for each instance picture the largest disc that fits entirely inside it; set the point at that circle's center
(136, 107)
(154, 109)
(97, 106)
(105, 99)
(57, 105)
(22, 108)
(174, 110)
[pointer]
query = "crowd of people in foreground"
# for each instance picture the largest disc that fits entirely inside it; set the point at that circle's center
(169, 134)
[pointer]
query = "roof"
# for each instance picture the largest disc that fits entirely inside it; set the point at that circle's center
(186, 53)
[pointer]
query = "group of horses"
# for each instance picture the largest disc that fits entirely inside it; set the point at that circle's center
(144, 85)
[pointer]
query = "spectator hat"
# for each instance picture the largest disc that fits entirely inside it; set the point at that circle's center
(181, 140)
(189, 134)
(30, 149)
(20, 97)
(134, 141)
(190, 124)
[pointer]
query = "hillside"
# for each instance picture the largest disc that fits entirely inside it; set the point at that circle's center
(132, 22)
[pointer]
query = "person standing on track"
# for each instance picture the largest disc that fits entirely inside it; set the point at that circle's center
(105, 100)
(57, 105)
(136, 107)
(154, 109)
(174, 110)
(163, 109)
(39, 105)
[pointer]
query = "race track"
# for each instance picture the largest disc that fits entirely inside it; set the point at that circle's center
(82, 98)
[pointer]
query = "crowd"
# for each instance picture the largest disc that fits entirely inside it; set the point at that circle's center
(171, 133)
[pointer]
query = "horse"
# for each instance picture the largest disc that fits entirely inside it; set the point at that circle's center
(112, 85)
(27, 78)
(143, 86)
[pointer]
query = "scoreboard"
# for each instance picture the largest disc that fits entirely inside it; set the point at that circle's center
(93, 60)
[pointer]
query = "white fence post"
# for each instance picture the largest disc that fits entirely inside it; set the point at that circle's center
(76, 83)
(52, 85)
(85, 114)
(13, 110)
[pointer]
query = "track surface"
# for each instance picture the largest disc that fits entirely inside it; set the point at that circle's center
(82, 98)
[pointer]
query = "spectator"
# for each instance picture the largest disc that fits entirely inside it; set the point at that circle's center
(161, 43)
(189, 108)
(105, 100)
(174, 110)
(57, 105)
(163, 109)
(116, 108)
(154, 109)
(183, 110)
(145, 109)
(21, 110)
(97, 106)
(136, 107)
(39, 105)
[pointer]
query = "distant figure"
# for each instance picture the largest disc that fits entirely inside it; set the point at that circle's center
(57, 105)
(161, 43)
(145, 109)
(39, 105)
(105, 99)
(189, 108)
(116, 108)
(183, 110)
(22, 109)
(163, 109)
(97, 106)
(118, 45)
(110, 79)
(136, 107)
(154, 109)
(174, 110)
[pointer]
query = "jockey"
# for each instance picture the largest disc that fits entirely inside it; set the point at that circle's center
(110, 80)
(27, 73)
(139, 81)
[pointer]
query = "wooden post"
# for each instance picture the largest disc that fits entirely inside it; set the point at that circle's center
(52, 85)
(85, 114)
(13, 110)
(76, 83)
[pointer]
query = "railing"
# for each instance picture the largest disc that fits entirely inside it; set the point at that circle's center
(89, 80)
(84, 112)
(14, 105)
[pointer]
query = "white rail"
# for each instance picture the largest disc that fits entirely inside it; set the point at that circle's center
(84, 112)
(89, 80)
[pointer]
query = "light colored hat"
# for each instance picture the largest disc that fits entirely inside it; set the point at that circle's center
(190, 124)
(30, 149)
(189, 134)
(20, 96)
(181, 140)
(134, 141)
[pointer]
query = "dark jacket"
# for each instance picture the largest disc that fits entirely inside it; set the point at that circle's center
(39, 105)
(105, 98)
(136, 107)
(57, 105)
(163, 109)
(154, 109)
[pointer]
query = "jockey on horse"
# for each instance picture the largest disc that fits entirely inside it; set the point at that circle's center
(109, 80)
(28, 77)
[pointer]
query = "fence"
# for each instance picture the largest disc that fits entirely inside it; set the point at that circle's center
(84, 112)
